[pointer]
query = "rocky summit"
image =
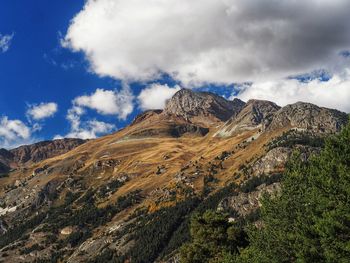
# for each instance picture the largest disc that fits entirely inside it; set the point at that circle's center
(129, 196)
(202, 106)
(309, 117)
(255, 114)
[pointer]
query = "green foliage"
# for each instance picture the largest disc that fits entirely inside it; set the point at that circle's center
(213, 238)
(255, 181)
(182, 233)
(157, 229)
(28, 250)
(310, 220)
(76, 238)
(87, 217)
(294, 137)
(18, 231)
(109, 188)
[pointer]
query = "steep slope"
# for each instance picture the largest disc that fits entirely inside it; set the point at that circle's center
(202, 107)
(308, 116)
(129, 195)
(255, 114)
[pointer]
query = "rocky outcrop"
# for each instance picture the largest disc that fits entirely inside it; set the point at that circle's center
(255, 114)
(244, 204)
(47, 193)
(274, 161)
(189, 104)
(309, 117)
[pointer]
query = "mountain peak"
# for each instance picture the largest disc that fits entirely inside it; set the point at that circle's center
(192, 105)
(256, 113)
(308, 116)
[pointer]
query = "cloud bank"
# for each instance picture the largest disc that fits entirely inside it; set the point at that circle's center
(334, 93)
(209, 41)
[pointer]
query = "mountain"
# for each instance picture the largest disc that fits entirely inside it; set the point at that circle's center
(29, 154)
(309, 117)
(128, 196)
(255, 114)
(262, 115)
(202, 107)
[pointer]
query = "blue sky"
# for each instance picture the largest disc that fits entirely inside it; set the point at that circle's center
(37, 69)
(117, 58)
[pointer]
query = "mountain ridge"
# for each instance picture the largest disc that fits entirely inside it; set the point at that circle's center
(103, 198)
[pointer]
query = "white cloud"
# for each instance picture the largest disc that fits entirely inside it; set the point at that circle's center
(155, 96)
(42, 111)
(334, 93)
(5, 42)
(13, 132)
(209, 41)
(105, 102)
(88, 130)
(108, 102)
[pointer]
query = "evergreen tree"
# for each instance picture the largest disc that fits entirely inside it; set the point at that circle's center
(309, 221)
(213, 237)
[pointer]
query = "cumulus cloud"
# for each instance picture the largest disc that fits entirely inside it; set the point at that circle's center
(42, 111)
(5, 42)
(334, 93)
(88, 130)
(13, 132)
(209, 41)
(105, 102)
(108, 102)
(155, 96)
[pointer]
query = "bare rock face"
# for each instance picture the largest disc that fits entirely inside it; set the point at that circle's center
(309, 117)
(274, 161)
(255, 114)
(43, 150)
(188, 104)
(246, 203)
